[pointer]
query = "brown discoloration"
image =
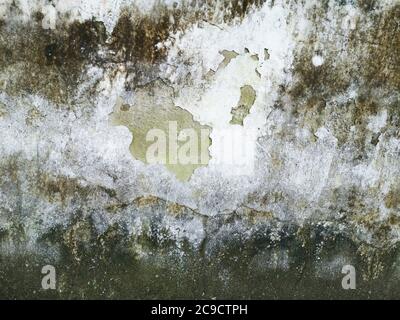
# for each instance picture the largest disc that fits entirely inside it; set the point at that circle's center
(137, 43)
(49, 62)
(367, 5)
(79, 45)
(172, 208)
(369, 221)
(37, 16)
(373, 258)
(114, 207)
(60, 188)
(312, 112)
(350, 121)
(135, 37)
(370, 56)
(63, 189)
(52, 63)
(239, 8)
(33, 115)
(324, 81)
(3, 111)
(382, 67)
(370, 60)
(125, 107)
(138, 39)
(392, 199)
(362, 217)
(145, 201)
(257, 216)
(175, 209)
(394, 220)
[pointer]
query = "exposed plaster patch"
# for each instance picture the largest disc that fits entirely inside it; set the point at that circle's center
(246, 101)
(153, 111)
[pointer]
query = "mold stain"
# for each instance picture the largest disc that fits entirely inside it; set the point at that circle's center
(53, 63)
(3, 111)
(239, 8)
(370, 57)
(49, 63)
(368, 62)
(383, 50)
(33, 115)
(392, 199)
(246, 101)
(154, 108)
(135, 37)
(65, 189)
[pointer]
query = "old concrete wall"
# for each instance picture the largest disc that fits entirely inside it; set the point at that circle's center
(309, 91)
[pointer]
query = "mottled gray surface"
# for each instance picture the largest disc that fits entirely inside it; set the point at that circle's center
(325, 189)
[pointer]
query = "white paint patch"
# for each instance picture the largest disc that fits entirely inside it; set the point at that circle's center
(233, 150)
(4, 8)
(318, 60)
(351, 18)
(367, 174)
(378, 122)
(50, 17)
(211, 102)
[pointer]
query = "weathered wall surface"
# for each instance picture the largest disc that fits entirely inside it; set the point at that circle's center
(311, 87)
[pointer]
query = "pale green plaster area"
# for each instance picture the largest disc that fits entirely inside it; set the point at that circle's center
(154, 109)
(242, 110)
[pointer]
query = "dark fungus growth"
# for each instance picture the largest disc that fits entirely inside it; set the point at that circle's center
(51, 63)
(371, 58)
(382, 67)
(369, 62)
(135, 37)
(239, 8)
(367, 5)
(48, 62)
(77, 46)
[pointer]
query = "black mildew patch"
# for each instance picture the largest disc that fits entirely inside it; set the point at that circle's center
(239, 8)
(370, 58)
(137, 39)
(48, 62)
(382, 67)
(365, 61)
(52, 63)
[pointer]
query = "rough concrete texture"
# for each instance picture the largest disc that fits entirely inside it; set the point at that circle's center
(318, 84)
